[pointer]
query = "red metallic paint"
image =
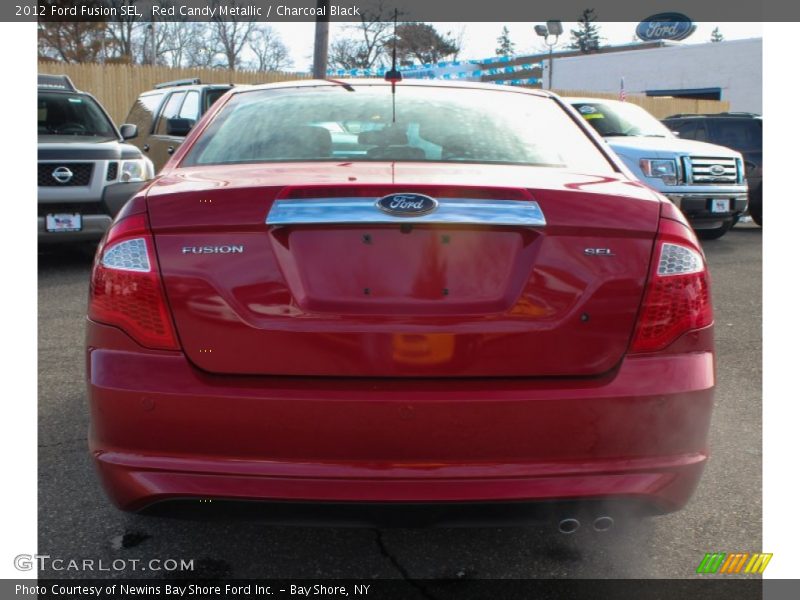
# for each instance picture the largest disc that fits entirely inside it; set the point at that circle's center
(294, 302)
(639, 432)
(290, 385)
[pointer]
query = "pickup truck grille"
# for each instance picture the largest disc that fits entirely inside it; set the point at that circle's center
(711, 170)
(81, 174)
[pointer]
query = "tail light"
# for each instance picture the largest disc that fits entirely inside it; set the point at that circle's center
(126, 289)
(677, 298)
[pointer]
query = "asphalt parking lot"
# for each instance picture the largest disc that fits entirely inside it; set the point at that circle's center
(77, 522)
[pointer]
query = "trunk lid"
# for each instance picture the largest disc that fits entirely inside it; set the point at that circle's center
(402, 299)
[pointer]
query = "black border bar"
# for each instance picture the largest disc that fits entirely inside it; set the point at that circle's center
(409, 10)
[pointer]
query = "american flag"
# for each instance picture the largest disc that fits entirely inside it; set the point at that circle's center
(622, 89)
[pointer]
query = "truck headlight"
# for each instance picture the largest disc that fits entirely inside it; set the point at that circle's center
(136, 170)
(664, 169)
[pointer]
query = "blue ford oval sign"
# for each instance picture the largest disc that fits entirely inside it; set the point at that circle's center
(407, 204)
(665, 26)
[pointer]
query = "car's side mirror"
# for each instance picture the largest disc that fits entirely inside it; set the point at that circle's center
(179, 127)
(128, 131)
(676, 133)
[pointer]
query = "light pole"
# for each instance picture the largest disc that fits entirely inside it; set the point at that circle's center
(320, 67)
(549, 32)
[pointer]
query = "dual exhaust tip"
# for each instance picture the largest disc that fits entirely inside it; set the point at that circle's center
(571, 525)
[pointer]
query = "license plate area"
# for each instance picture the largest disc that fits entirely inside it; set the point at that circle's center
(63, 222)
(720, 205)
(404, 269)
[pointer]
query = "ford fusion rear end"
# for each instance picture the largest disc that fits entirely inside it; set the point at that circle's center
(459, 299)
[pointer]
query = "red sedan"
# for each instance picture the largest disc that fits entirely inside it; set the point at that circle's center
(444, 296)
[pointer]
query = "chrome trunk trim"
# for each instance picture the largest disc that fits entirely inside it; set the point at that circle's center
(450, 211)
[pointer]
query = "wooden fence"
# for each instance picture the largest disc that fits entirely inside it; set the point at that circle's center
(117, 86)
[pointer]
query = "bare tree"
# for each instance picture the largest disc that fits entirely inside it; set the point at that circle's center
(161, 38)
(346, 53)
(232, 36)
(366, 46)
(73, 41)
(271, 54)
(202, 48)
(124, 35)
(179, 38)
(375, 32)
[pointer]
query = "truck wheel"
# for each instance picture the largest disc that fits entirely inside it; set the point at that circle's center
(714, 234)
(756, 214)
(755, 207)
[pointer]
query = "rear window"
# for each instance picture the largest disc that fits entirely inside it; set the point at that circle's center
(212, 95)
(430, 124)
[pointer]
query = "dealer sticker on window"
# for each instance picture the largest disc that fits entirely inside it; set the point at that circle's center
(63, 222)
(720, 205)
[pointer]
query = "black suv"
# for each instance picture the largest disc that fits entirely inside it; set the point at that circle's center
(739, 131)
(165, 114)
(86, 171)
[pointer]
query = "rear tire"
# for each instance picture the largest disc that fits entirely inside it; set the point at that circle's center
(714, 234)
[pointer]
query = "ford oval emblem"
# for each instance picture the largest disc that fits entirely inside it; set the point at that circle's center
(407, 204)
(665, 26)
(716, 170)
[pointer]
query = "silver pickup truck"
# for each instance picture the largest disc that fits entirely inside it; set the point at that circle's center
(705, 181)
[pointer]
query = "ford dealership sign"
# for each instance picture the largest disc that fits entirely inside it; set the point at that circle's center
(665, 26)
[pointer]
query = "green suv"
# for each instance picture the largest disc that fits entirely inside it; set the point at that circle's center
(166, 114)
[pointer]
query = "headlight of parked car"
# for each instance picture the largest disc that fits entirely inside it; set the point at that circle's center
(664, 169)
(136, 170)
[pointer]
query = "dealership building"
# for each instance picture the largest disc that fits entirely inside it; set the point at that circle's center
(727, 70)
(714, 71)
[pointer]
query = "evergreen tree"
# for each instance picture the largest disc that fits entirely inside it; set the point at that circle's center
(505, 47)
(586, 37)
(421, 43)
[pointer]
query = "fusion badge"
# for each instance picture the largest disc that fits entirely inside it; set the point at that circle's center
(238, 249)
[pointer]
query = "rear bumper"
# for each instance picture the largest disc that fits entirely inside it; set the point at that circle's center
(162, 430)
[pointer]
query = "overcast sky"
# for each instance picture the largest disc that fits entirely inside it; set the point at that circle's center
(479, 40)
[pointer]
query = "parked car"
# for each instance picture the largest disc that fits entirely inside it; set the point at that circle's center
(86, 172)
(705, 181)
(165, 114)
(740, 131)
(473, 304)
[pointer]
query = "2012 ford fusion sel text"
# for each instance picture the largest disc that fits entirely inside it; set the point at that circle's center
(357, 294)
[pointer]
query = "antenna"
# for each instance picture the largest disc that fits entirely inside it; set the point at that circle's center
(393, 75)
